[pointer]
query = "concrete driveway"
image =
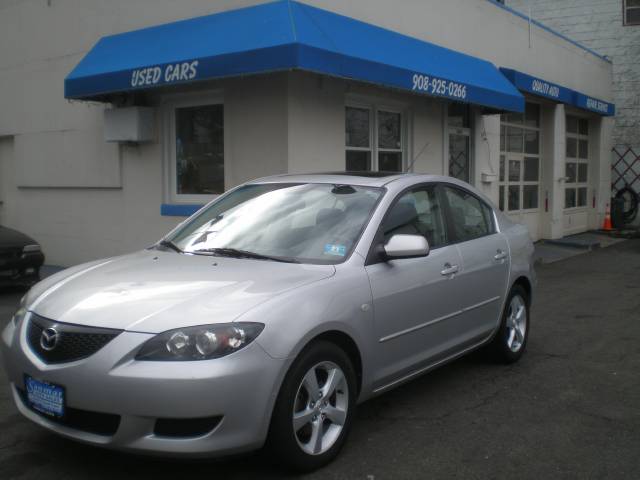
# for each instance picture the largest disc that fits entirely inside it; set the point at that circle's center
(569, 409)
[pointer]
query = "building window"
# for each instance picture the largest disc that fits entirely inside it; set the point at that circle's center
(459, 125)
(374, 139)
(519, 180)
(631, 12)
(577, 163)
(196, 152)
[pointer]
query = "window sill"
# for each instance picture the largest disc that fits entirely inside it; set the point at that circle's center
(580, 209)
(523, 210)
(178, 210)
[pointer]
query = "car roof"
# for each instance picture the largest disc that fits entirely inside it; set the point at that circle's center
(365, 179)
(400, 181)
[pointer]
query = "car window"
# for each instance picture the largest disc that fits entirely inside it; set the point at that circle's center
(470, 217)
(302, 222)
(417, 212)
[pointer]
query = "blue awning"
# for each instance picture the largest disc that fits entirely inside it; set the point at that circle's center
(543, 88)
(285, 35)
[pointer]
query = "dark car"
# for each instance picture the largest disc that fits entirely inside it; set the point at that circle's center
(20, 258)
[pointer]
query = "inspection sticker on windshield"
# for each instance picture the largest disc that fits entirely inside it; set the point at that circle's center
(338, 250)
(45, 397)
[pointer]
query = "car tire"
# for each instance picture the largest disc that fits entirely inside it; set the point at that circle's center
(306, 434)
(510, 341)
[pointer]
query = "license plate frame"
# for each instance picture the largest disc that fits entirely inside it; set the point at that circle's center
(45, 397)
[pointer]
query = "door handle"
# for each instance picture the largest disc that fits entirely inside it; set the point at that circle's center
(449, 269)
(500, 255)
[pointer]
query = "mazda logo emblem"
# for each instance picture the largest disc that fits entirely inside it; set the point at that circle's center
(49, 339)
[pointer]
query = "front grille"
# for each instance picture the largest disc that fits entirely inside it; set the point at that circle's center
(10, 253)
(74, 342)
(105, 424)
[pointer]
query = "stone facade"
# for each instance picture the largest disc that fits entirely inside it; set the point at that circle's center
(598, 25)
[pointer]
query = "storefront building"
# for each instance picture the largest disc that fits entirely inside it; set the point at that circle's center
(162, 118)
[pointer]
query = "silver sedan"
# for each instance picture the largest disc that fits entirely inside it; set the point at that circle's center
(267, 316)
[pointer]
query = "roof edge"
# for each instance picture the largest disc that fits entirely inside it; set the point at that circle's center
(550, 30)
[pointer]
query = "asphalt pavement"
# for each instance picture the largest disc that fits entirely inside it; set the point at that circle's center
(569, 409)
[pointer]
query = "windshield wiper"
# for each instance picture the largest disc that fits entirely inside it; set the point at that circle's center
(169, 244)
(237, 253)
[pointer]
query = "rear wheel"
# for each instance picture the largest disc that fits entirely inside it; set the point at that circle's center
(511, 340)
(314, 409)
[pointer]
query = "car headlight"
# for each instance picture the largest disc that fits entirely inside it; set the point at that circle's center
(21, 312)
(203, 342)
(31, 248)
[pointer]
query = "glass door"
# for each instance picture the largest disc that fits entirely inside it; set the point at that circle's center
(459, 123)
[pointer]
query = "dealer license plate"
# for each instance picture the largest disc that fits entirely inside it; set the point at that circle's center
(45, 397)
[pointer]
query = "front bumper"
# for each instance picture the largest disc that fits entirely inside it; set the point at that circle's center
(240, 389)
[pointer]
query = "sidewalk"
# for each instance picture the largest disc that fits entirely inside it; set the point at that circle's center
(549, 251)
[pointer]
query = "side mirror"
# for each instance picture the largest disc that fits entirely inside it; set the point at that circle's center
(406, 246)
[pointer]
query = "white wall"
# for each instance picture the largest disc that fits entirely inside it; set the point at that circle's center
(83, 198)
(484, 30)
(317, 123)
(77, 222)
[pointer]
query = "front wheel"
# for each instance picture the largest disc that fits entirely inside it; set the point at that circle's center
(313, 412)
(511, 339)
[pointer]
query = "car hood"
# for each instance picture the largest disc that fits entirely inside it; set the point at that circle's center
(153, 291)
(12, 238)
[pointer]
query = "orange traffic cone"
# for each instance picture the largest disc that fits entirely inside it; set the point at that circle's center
(607, 220)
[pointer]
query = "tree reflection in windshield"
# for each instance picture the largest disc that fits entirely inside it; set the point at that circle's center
(313, 223)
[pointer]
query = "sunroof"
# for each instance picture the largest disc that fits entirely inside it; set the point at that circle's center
(365, 174)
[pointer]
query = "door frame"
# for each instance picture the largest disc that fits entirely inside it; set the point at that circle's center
(466, 131)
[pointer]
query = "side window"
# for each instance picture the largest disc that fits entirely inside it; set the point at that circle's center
(417, 213)
(470, 217)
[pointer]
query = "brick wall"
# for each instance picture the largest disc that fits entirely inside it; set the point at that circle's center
(598, 25)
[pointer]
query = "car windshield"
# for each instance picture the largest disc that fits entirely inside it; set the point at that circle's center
(299, 223)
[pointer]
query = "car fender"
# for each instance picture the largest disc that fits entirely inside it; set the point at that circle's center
(341, 303)
(521, 250)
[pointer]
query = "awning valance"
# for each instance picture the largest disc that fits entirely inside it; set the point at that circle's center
(285, 35)
(543, 88)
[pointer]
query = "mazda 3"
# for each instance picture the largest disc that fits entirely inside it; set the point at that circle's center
(270, 314)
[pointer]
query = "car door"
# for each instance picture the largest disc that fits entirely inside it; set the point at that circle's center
(413, 297)
(484, 271)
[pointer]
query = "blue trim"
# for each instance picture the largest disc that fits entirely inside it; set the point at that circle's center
(550, 30)
(543, 88)
(538, 86)
(178, 210)
(594, 105)
(285, 35)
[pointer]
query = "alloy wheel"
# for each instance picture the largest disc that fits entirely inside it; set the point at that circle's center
(320, 408)
(516, 323)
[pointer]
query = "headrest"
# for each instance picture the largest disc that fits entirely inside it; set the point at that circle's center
(403, 213)
(329, 216)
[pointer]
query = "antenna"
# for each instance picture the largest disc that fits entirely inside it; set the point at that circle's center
(413, 161)
(529, 5)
